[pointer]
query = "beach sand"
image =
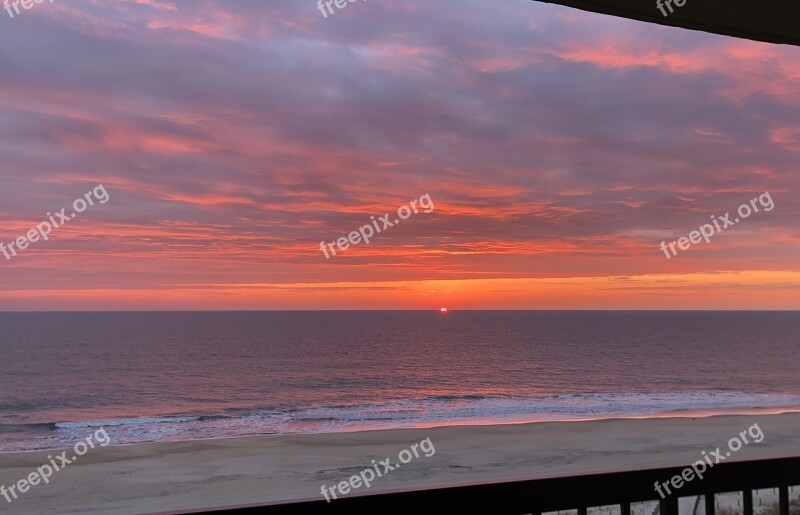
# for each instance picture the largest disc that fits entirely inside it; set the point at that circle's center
(159, 477)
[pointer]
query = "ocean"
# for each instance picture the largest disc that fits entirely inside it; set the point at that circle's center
(193, 375)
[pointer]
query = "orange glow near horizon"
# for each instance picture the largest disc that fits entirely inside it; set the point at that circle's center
(738, 290)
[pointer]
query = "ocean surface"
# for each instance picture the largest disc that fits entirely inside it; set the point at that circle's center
(184, 376)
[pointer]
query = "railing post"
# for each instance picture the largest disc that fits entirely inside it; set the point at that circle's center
(668, 506)
(747, 501)
(784, 499)
(710, 504)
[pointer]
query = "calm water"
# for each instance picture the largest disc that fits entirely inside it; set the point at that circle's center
(177, 376)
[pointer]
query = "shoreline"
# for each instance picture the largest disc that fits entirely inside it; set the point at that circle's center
(174, 476)
(674, 414)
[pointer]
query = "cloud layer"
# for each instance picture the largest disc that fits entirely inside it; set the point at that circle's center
(560, 148)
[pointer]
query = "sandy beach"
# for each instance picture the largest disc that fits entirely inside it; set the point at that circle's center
(159, 477)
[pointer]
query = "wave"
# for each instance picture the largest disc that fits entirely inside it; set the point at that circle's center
(125, 422)
(547, 407)
(26, 428)
(402, 413)
(467, 407)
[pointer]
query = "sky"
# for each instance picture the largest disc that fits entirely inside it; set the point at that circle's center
(559, 148)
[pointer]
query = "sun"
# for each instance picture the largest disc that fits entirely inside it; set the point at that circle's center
(443, 310)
